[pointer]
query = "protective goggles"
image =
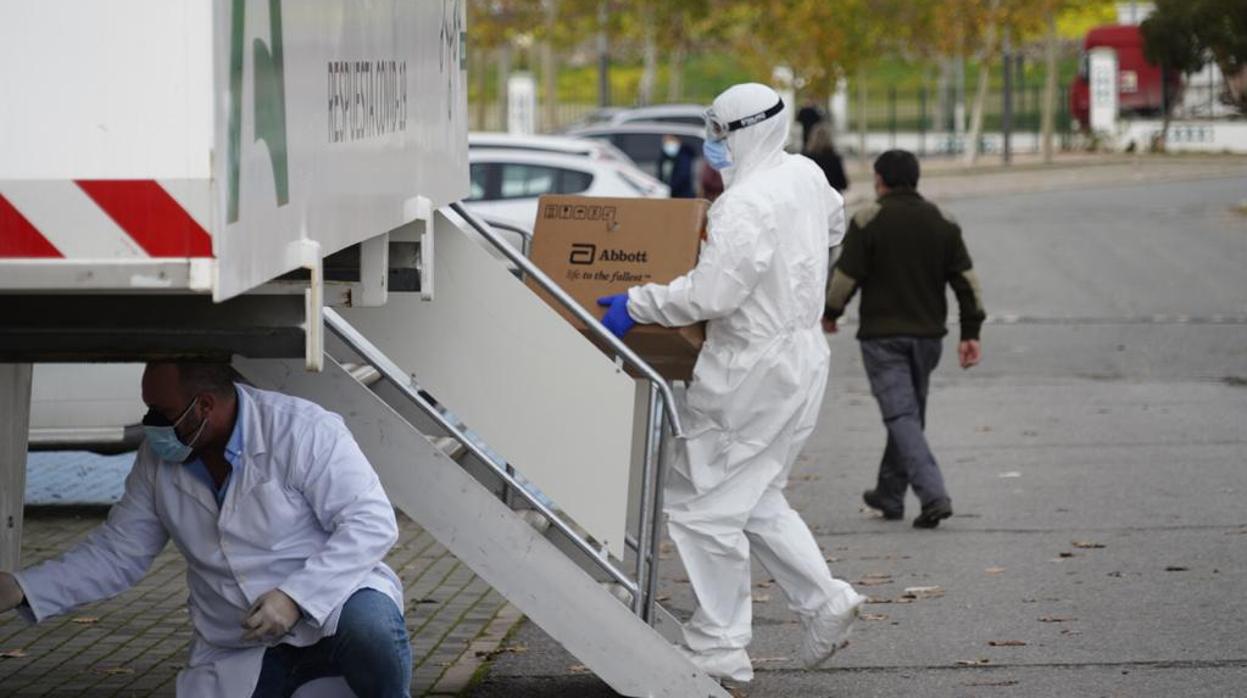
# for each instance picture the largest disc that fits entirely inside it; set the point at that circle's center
(717, 129)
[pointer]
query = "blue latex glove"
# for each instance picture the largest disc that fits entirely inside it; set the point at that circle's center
(617, 319)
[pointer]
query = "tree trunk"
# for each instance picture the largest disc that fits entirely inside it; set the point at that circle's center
(649, 62)
(549, 88)
(504, 72)
(675, 73)
(861, 118)
(549, 71)
(1232, 79)
(980, 97)
(604, 58)
(1049, 89)
(479, 71)
(943, 87)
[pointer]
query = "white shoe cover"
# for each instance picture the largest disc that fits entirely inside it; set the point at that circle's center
(828, 629)
(731, 664)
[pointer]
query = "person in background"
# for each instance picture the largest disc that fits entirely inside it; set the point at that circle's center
(675, 167)
(822, 150)
(809, 116)
(902, 251)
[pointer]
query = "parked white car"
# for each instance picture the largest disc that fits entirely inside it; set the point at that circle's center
(566, 145)
(688, 114)
(506, 183)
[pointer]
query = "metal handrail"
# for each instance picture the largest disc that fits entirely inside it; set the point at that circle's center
(628, 356)
(400, 379)
(525, 234)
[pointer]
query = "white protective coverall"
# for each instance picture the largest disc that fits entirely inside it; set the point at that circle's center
(757, 386)
(305, 513)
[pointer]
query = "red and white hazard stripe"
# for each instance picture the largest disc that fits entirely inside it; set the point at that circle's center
(104, 219)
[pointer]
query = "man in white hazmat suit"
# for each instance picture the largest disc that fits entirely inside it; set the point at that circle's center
(283, 524)
(757, 386)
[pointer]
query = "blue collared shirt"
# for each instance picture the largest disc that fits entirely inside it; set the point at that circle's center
(233, 453)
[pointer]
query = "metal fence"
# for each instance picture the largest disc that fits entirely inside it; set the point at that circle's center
(906, 118)
(915, 119)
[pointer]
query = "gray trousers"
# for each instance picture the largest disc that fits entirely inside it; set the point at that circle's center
(899, 369)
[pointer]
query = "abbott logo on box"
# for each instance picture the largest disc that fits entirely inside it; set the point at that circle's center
(583, 253)
(639, 257)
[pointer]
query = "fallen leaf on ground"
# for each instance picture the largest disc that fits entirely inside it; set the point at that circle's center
(973, 662)
(1056, 619)
(115, 670)
(1066, 554)
(759, 597)
(878, 599)
(927, 592)
(993, 683)
(578, 669)
(1177, 568)
(662, 597)
(874, 580)
(12, 654)
(1007, 643)
(874, 616)
(768, 660)
(994, 570)
(1086, 544)
(765, 585)
(86, 620)
(1010, 474)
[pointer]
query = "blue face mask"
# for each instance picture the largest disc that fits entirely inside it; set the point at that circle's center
(163, 439)
(717, 154)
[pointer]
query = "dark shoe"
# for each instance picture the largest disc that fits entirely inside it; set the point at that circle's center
(933, 513)
(873, 501)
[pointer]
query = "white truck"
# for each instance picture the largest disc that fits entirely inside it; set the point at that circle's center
(267, 181)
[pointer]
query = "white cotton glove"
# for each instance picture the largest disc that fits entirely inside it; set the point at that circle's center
(270, 617)
(10, 593)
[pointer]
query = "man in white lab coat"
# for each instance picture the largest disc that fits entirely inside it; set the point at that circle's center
(283, 524)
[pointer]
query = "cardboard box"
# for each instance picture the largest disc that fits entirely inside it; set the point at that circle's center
(597, 246)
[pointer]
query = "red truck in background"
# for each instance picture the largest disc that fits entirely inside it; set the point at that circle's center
(1139, 84)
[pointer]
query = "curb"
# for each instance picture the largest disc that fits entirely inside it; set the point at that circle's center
(459, 675)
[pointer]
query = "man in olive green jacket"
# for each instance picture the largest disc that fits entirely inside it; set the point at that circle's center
(901, 251)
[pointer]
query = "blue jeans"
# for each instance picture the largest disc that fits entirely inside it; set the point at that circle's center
(899, 369)
(370, 650)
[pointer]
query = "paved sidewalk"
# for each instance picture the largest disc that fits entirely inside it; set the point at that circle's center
(135, 644)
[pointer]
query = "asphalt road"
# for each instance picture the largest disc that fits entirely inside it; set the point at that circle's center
(1097, 462)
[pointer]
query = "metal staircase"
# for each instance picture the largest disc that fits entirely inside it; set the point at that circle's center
(594, 596)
